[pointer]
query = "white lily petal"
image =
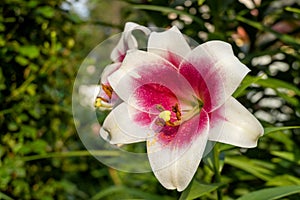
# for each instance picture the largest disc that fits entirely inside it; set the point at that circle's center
(127, 41)
(108, 70)
(120, 128)
(220, 70)
(169, 44)
(234, 124)
(174, 164)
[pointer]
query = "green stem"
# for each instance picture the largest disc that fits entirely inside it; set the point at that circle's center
(217, 172)
(71, 154)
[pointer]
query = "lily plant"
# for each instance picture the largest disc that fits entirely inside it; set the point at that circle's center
(176, 99)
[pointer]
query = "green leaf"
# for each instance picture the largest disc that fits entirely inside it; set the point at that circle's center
(275, 129)
(283, 180)
(272, 193)
(5, 197)
(30, 51)
(259, 26)
(198, 189)
(248, 80)
(292, 157)
(200, 2)
(168, 10)
(284, 138)
(125, 190)
(294, 10)
(257, 168)
(275, 84)
(46, 11)
(22, 60)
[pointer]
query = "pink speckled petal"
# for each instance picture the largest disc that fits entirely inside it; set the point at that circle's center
(170, 45)
(234, 124)
(175, 157)
(151, 80)
(214, 72)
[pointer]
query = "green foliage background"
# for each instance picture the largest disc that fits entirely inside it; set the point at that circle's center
(42, 45)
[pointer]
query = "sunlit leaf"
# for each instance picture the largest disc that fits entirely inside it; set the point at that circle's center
(271, 193)
(294, 10)
(248, 80)
(258, 170)
(200, 2)
(30, 51)
(292, 157)
(274, 129)
(276, 83)
(283, 180)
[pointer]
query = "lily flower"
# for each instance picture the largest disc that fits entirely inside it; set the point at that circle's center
(176, 99)
(107, 98)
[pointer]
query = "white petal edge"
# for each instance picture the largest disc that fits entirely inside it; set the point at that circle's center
(175, 167)
(108, 70)
(170, 40)
(237, 126)
(119, 128)
(127, 40)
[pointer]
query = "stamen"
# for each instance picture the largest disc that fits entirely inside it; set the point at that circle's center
(102, 103)
(98, 103)
(176, 110)
(165, 115)
(160, 122)
(107, 89)
(160, 108)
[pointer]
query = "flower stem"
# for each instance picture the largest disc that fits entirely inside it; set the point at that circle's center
(217, 172)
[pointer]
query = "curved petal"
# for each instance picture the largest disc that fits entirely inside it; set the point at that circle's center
(169, 44)
(234, 124)
(149, 81)
(119, 126)
(218, 71)
(127, 41)
(174, 161)
(108, 70)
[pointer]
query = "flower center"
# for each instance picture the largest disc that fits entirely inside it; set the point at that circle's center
(165, 117)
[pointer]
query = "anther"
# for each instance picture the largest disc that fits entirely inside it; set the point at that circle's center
(107, 89)
(176, 110)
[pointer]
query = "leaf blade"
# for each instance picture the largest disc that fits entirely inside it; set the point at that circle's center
(271, 193)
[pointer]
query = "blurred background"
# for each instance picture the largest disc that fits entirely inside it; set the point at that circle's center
(42, 45)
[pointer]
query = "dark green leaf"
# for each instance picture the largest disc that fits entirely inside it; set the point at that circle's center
(198, 189)
(124, 190)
